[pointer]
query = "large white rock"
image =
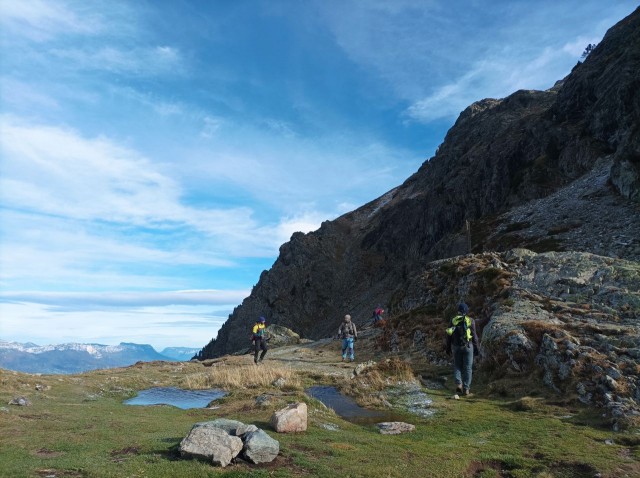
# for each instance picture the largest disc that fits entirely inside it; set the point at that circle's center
(291, 419)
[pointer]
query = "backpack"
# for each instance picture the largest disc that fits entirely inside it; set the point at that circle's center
(460, 332)
(348, 329)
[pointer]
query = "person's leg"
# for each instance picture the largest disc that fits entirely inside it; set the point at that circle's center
(467, 370)
(351, 354)
(256, 349)
(457, 367)
(263, 345)
(345, 346)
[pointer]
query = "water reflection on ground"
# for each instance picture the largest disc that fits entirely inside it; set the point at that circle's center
(176, 397)
(347, 408)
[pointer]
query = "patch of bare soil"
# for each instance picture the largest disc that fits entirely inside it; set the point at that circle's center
(47, 453)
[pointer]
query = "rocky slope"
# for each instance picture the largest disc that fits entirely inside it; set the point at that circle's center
(554, 170)
(569, 320)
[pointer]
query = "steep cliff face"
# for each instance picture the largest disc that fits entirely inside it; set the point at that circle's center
(500, 156)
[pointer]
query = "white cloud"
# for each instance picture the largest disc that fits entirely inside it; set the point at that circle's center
(97, 301)
(40, 20)
(16, 93)
(171, 325)
(576, 47)
(493, 78)
(211, 125)
(139, 61)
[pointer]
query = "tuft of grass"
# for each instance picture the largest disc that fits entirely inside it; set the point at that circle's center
(242, 377)
(365, 387)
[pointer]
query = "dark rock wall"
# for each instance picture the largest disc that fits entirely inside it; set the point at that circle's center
(499, 154)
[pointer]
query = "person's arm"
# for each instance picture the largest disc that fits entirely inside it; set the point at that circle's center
(355, 332)
(474, 338)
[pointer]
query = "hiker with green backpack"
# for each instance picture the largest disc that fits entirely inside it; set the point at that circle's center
(463, 343)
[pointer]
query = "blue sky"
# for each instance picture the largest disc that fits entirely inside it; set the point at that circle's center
(155, 154)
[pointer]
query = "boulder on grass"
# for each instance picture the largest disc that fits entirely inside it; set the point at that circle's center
(212, 444)
(260, 447)
(291, 419)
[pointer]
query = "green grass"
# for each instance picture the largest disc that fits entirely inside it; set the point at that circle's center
(80, 428)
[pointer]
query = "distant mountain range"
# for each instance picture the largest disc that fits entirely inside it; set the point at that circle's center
(76, 358)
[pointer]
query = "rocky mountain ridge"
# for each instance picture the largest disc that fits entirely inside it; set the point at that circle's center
(555, 170)
(536, 161)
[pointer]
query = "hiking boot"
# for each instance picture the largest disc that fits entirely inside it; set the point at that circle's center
(466, 392)
(459, 388)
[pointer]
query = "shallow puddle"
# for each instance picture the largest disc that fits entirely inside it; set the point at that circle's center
(347, 408)
(176, 397)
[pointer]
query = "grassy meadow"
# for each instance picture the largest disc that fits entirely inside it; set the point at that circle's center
(79, 427)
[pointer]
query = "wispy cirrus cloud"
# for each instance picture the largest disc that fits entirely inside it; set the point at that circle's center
(138, 61)
(114, 299)
(441, 57)
(41, 20)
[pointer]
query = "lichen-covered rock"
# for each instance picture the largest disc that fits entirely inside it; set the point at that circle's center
(212, 444)
(259, 447)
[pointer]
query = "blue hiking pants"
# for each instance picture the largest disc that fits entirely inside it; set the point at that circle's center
(347, 347)
(463, 365)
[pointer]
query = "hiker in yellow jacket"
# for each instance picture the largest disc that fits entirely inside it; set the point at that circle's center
(259, 340)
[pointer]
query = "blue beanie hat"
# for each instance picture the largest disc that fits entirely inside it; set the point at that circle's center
(262, 319)
(463, 308)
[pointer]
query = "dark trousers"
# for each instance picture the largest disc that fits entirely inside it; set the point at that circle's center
(463, 365)
(259, 343)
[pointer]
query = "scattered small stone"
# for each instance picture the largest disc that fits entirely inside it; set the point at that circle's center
(263, 400)
(330, 426)
(20, 401)
(279, 382)
(4, 410)
(609, 442)
(42, 388)
(456, 397)
(395, 428)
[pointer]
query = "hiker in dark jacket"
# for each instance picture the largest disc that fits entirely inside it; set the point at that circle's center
(462, 341)
(259, 339)
(348, 333)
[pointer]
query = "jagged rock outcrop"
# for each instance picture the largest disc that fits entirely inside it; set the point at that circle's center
(569, 319)
(509, 167)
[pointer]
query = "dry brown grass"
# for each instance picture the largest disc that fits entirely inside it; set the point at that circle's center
(365, 387)
(242, 377)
